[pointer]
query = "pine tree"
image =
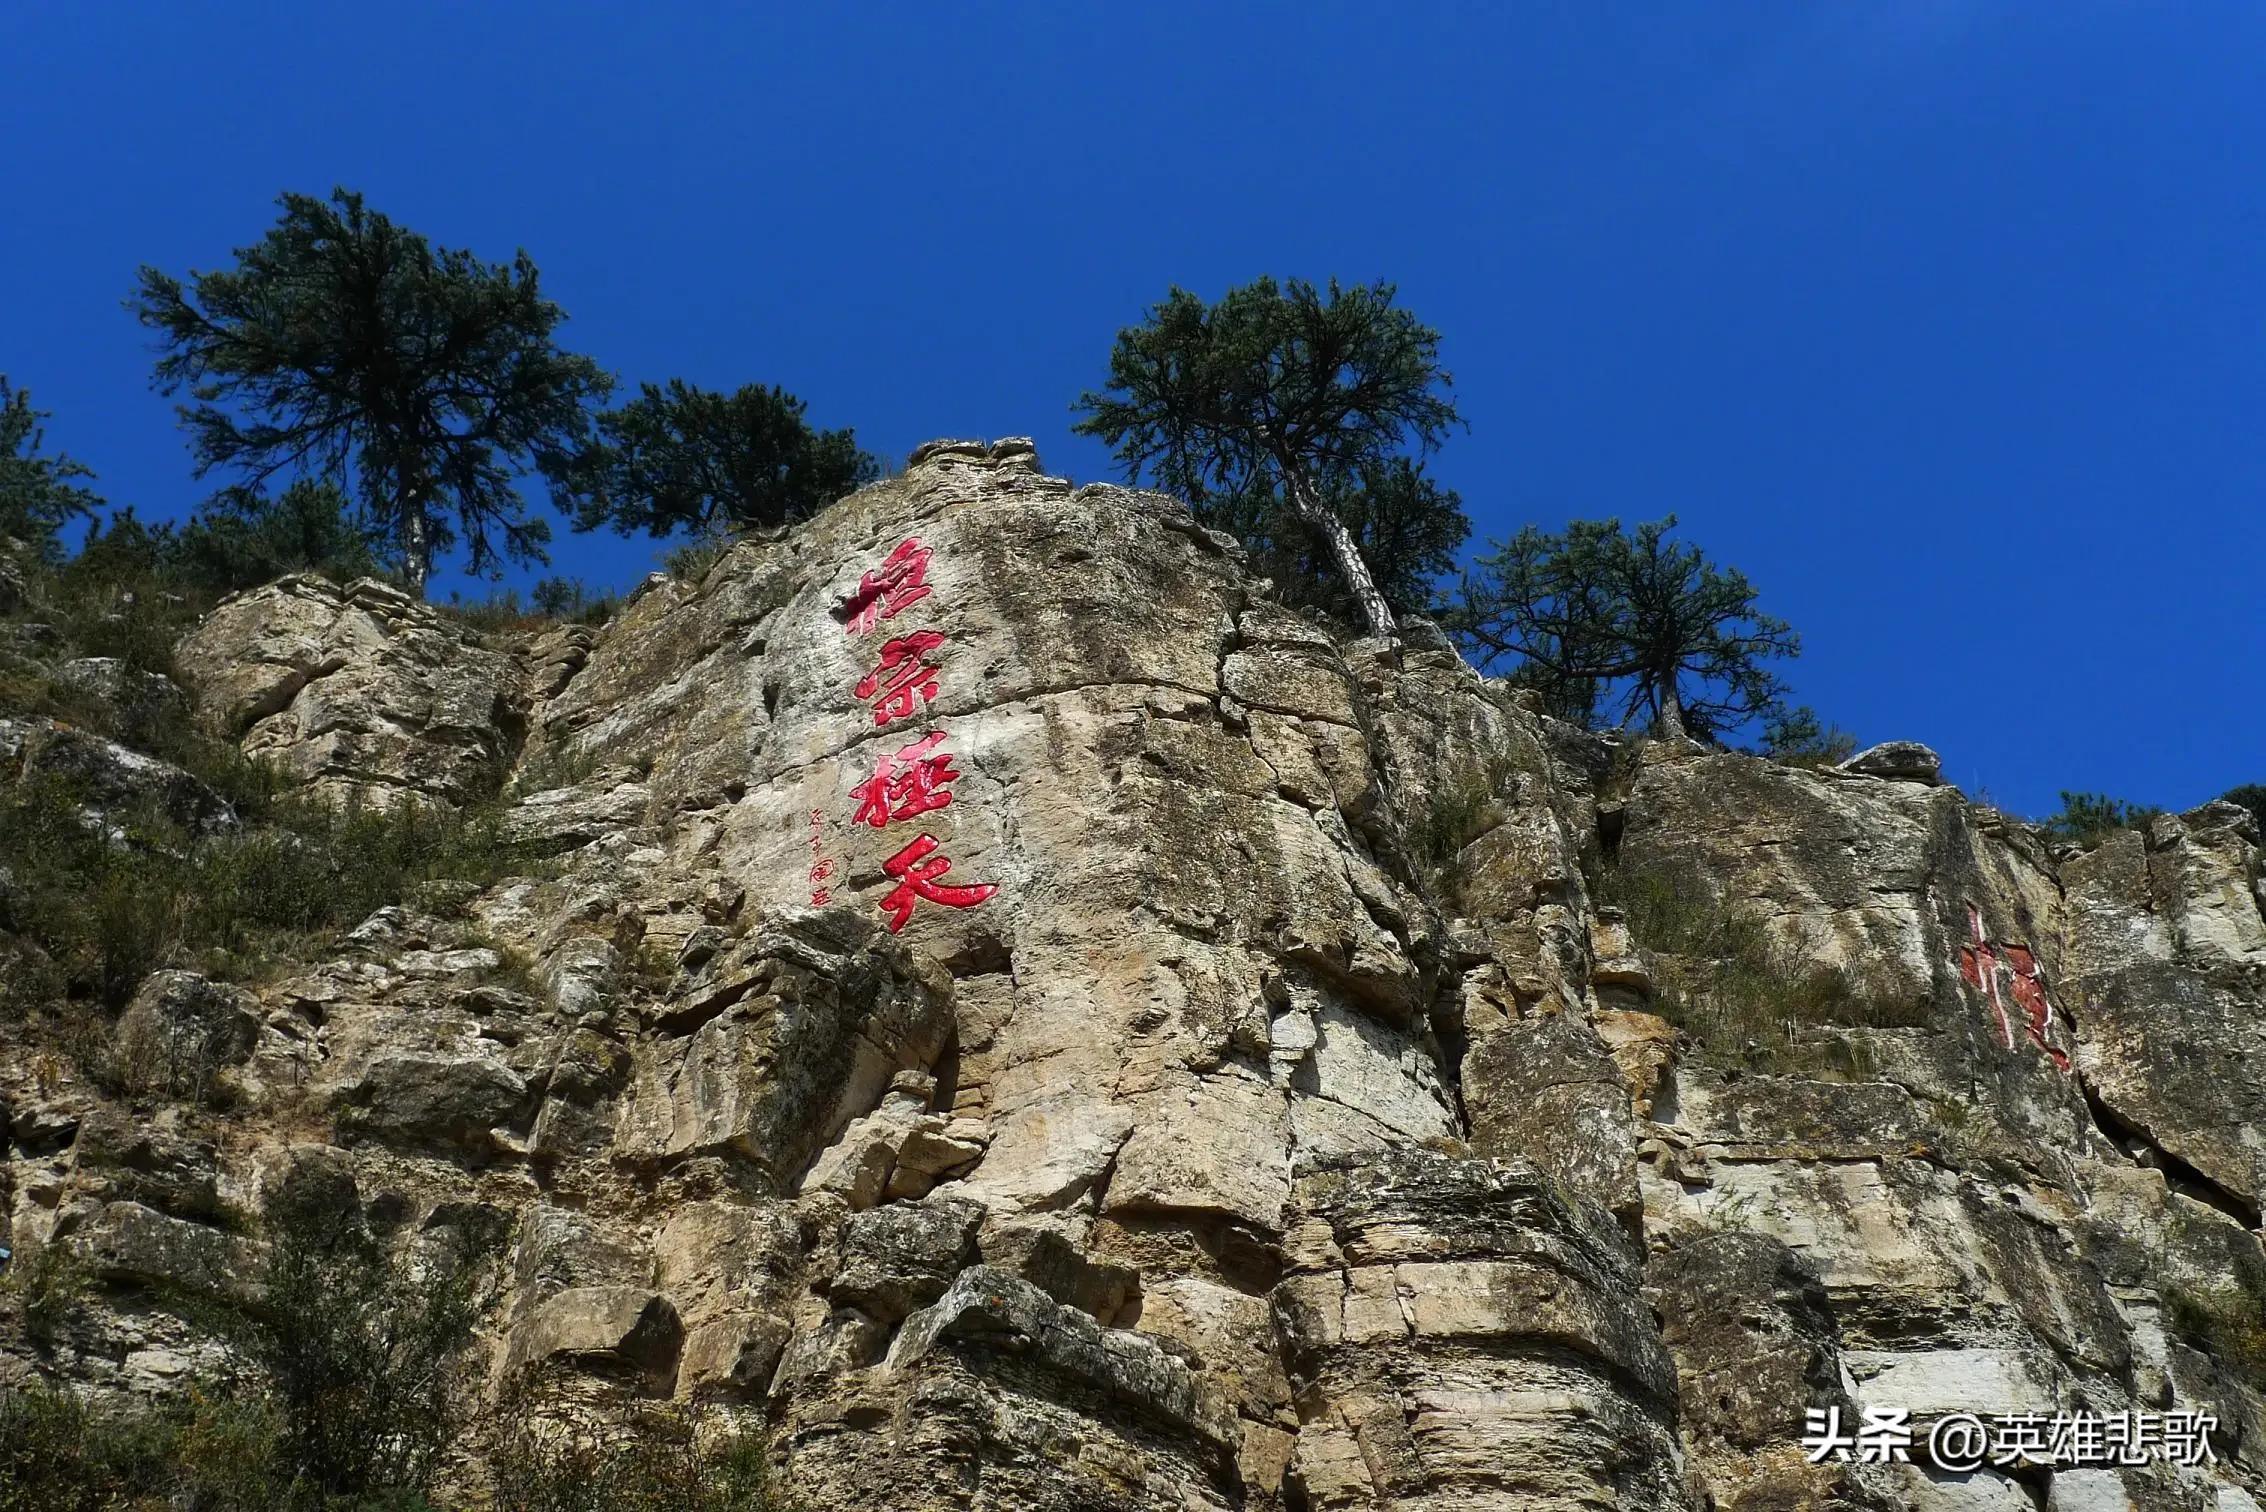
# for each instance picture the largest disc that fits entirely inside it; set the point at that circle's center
(685, 458)
(1599, 617)
(37, 495)
(1279, 412)
(346, 347)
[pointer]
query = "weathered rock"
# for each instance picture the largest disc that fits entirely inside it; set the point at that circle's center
(118, 784)
(1048, 1410)
(791, 1036)
(125, 1243)
(357, 691)
(613, 1330)
(1753, 1336)
(181, 1032)
(120, 1159)
(451, 1101)
(13, 554)
(140, 700)
(1898, 761)
(901, 1257)
(1454, 1328)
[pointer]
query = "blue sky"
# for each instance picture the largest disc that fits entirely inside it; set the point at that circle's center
(1941, 320)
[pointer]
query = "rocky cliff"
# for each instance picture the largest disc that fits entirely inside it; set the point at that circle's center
(1025, 1021)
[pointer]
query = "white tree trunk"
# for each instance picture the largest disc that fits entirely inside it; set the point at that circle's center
(1342, 547)
(1671, 710)
(416, 545)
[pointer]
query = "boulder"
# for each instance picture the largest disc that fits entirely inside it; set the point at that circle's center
(432, 1099)
(1898, 761)
(356, 691)
(181, 1031)
(903, 1256)
(119, 784)
(142, 700)
(621, 1331)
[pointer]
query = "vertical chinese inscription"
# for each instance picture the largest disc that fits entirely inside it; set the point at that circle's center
(1981, 963)
(821, 864)
(914, 779)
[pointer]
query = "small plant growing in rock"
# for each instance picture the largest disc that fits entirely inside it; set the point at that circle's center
(1750, 997)
(1796, 738)
(690, 562)
(2227, 1321)
(658, 1458)
(47, 1285)
(2090, 818)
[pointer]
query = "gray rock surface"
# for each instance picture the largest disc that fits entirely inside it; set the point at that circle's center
(1899, 761)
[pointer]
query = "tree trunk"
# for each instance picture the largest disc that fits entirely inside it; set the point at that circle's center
(1671, 710)
(1342, 547)
(416, 544)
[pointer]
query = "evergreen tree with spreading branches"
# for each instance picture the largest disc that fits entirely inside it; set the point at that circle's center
(1601, 619)
(38, 496)
(346, 347)
(685, 458)
(1290, 415)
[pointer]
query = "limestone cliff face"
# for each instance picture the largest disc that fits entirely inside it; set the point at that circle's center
(1032, 1023)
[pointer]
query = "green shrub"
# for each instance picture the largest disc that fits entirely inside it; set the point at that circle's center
(690, 562)
(47, 1284)
(664, 1459)
(352, 1389)
(357, 1350)
(60, 1453)
(243, 538)
(568, 599)
(1749, 995)
(1794, 737)
(1455, 814)
(108, 902)
(2090, 818)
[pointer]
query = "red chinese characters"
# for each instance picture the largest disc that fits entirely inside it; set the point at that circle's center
(821, 866)
(905, 784)
(1980, 964)
(914, 779)
(917, 868)
(901, 583)
(904, 678)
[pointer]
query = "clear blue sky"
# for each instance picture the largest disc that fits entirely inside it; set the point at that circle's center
(1941, 320)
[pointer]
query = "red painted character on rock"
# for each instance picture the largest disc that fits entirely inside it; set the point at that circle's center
(904, 677)
(901, 583)
(917, 869)
(908, 783)
(1979, 965)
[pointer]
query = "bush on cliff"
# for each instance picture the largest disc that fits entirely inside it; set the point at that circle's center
(1749, 995)
(351, 1390)
(107, 900)
(2090, 818)
(660, 1458)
